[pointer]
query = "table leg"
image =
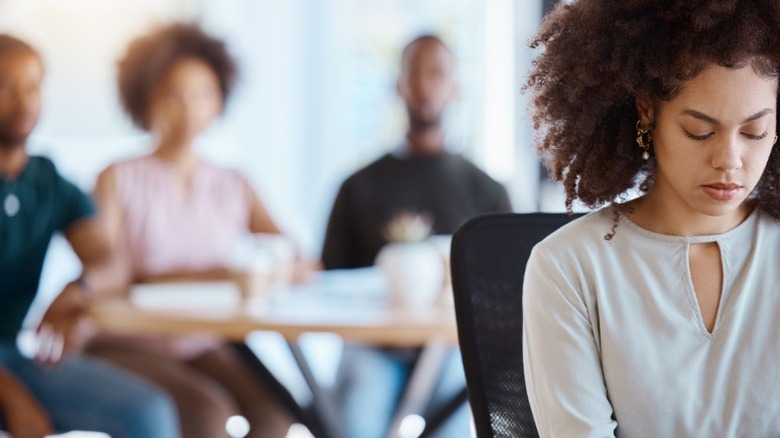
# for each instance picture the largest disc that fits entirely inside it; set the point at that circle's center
(422, 383)
(323, 402)
(442, 414)
(323, 419)
(303, 415)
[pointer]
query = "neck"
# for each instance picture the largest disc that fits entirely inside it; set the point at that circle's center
(180, 155)
(427, 141)
(13, 160)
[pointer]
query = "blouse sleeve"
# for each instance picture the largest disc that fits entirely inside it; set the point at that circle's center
(562, 362)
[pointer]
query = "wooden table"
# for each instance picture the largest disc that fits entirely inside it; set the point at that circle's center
(350, 303)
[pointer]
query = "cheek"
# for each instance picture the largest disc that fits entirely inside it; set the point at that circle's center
(675, 159)
(759, 159)
(208, 111)
(212, 109)
(33, 101)
(663, 149)
(163, 118)
(5, 105)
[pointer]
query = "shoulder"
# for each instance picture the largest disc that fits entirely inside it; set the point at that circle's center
(383, 162)
(370, 171)
(588, 228)
(42, 170)
(42, 164)
(562, 266)
(766, 229)
(456, 159)
(765, 220)
(129, 163)
(129, 167)
(463, 163)
(464, 166)
(65, 201)
(117, 167)
(489, 193)
(125, 169)
(582, 237)
(105, 183)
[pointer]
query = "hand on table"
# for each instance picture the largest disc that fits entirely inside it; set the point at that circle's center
(304, 270)
(64, 330)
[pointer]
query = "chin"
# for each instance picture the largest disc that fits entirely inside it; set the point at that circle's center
(722, 209)
(195, 130)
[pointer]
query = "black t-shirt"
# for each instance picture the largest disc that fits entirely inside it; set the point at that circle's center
(446, 187)
(47, 203)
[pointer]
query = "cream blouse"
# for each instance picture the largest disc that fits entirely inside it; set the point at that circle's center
(615, 345)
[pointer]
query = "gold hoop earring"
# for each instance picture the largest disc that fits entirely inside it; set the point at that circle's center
(643, 138)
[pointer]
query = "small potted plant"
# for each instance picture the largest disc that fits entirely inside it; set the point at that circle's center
(413, 266)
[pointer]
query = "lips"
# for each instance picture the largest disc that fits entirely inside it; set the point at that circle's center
(722, 191)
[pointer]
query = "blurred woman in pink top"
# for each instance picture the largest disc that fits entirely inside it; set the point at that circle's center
(173, 215)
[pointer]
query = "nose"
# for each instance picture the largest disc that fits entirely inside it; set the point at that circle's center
(424, 84)
(420, 89)
(727, 155)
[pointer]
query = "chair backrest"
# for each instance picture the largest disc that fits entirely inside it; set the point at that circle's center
(488, 259)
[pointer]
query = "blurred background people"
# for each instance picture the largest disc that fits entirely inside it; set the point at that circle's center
(419, 176)
(321, 95)
(172, 215)
(36, 202)
(321, 99)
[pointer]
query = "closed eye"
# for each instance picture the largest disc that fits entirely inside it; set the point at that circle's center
(756, 137)
(698, 137)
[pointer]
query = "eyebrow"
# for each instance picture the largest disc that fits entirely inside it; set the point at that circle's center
(701, 116)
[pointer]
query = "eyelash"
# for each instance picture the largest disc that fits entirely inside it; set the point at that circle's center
(706, 136)
(758, 137)
(698, 137)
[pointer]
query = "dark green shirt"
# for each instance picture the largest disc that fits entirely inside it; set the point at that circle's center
(47, 203)
(446, 187)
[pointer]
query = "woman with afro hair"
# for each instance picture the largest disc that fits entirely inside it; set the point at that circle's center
(657, 315)
(173, 215)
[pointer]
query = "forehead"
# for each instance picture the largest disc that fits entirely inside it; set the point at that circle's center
(727, 93)
(20, 63)
(427, 52)
(187, 70)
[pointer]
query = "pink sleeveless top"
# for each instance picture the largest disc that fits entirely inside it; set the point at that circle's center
(168, 230)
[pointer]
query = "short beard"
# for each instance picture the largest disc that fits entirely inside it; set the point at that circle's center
(10, 141)
(419, 124)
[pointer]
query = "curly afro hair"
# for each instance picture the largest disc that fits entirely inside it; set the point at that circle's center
(600, 55)
(149, 57)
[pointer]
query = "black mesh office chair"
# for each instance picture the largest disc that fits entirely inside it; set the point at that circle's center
(488, 259)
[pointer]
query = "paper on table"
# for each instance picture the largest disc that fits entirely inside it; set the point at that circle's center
(202, 295)
(368, 282)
